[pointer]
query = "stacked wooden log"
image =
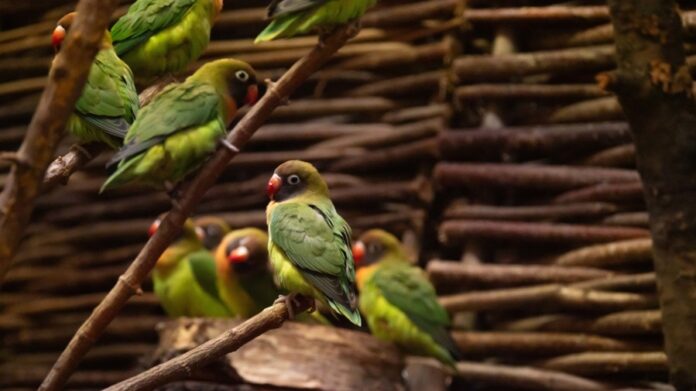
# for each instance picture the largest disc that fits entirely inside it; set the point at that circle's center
(369, 122)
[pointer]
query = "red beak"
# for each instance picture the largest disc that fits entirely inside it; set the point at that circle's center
(57, 37)
(358, 252)
(273, 186)
(252, 95)
(238, 255)
(153, 228)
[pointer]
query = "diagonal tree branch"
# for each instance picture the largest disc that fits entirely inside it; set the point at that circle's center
(66, 79)
(181, 367)
(654, 88)
(191, 193)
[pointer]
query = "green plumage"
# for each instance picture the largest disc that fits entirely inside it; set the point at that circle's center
(309, 244)
(157, 37)
(184, 280)
(401, 307)
(179, 129)
(294, 17)
(108, 104)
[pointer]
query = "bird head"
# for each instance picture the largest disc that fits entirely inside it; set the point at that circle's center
(214, 229)
(243, 251)
(377, 245)
(189, 240)
(294, 178)
(234, 79)
(63, 27)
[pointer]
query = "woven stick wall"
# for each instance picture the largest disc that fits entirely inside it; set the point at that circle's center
(478, 134)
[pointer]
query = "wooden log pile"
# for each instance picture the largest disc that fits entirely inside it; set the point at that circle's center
(480, 135)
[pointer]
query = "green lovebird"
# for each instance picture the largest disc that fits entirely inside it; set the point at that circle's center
(398, 300)
(309, 243)
(214, 229)
(293, 17)
(181, 127)
(159, 37)
(245, 280)
(109, 101)
(184, 277)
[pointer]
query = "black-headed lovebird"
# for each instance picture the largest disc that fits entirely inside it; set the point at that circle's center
(310, 245)
(398, 300)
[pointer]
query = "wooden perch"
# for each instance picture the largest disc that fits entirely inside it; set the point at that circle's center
(456, 232)
(608, 192)
(294, 356)
(593, 110)
(531, 141)
(66, 79)
(655, 90)
(527, 176)
(607, 363)
(456, 274)
(182, 367)
(479, 67)
(530, 213)
(191, 193)
(609, 254)
(60, 170)
(525, 378)
(567, 297)
(620, 324)
(492, 343)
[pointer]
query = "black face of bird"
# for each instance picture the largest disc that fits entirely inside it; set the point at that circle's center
(367, 252)
(243, 88)
(246, 255)
(282, 187)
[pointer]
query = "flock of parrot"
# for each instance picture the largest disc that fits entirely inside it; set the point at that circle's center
(210, 270)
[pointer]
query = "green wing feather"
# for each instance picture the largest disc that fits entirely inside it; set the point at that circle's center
(176, 108)
(279, 8)
(203, 266)
(144, 19)
(408, 289)
(317, 242)
(109, 99)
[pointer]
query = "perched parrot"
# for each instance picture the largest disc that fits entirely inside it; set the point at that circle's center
(398, 301)
(293, 17)
(184, 277)
(214, 229)
(309, 242)
(109, 101)
(245, 281)
(159, 37)
(180, 128)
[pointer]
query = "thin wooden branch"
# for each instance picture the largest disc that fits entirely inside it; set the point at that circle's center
(65, 84)
(60, 170)
(531, 212)
(181, 367)
(610, 192)
(191, 193)
(606, 363)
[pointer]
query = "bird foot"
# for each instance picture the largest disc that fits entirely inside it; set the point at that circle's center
(83, 151)
(229, 146)
(174, 194)
(273, 90)
(291, 301)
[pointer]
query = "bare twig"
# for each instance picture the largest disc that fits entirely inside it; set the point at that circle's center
(48, 124)
(191, 193)
(182, 366)
(64, 166)
(609, 254)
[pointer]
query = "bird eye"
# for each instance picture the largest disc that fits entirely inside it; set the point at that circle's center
(242, 76)
(373, 248)
(293, 179)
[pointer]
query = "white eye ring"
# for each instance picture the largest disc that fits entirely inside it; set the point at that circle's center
(293, 179)
(242, 76)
